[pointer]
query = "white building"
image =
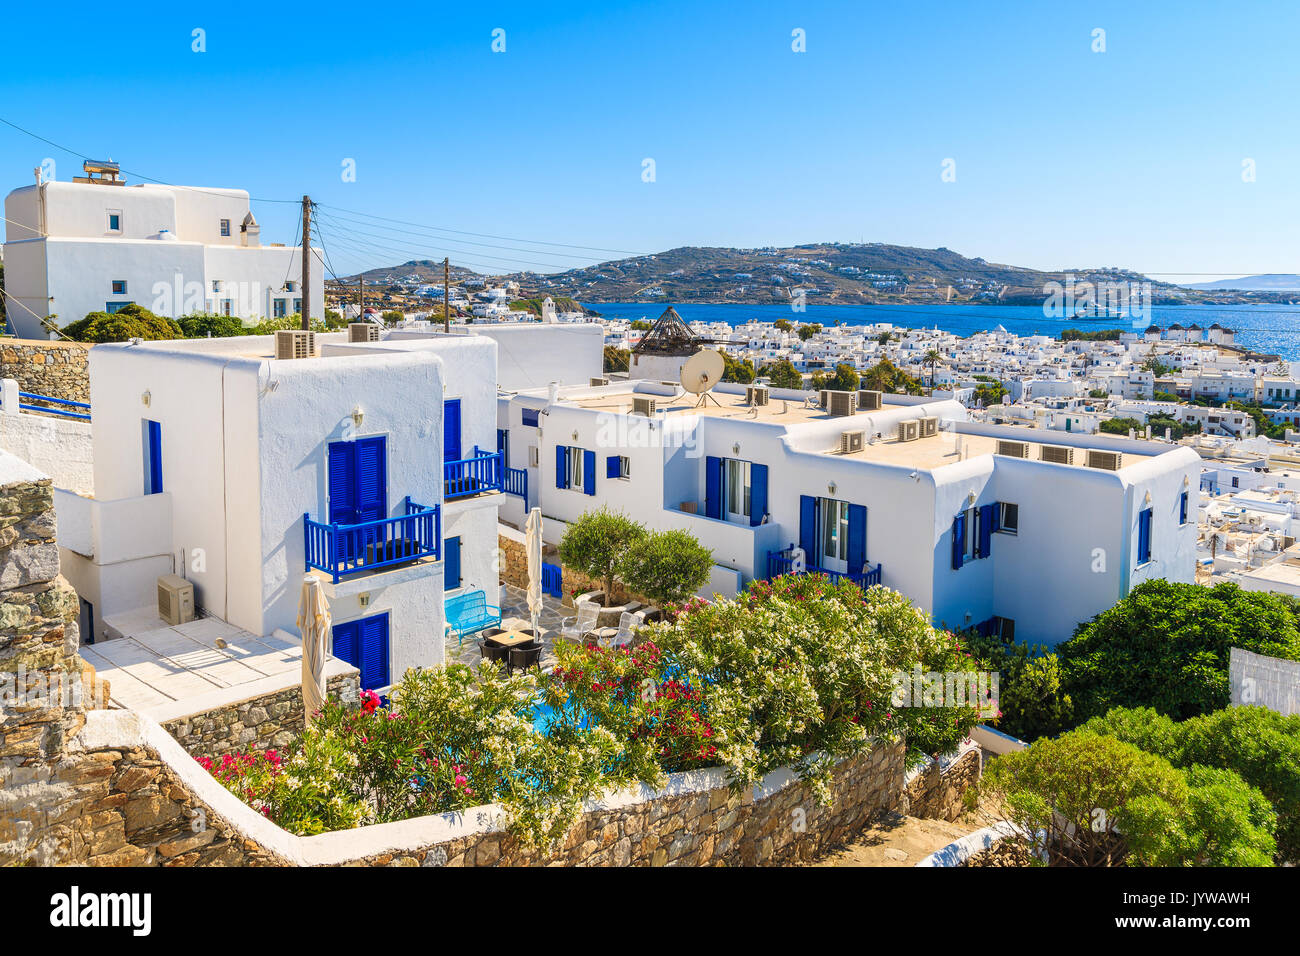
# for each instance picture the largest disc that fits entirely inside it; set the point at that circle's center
(97, 244)
(981, 525)
(370, 465)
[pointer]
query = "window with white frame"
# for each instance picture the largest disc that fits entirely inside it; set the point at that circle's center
(624, 467)
(115, 220)
(225, 228)
(1008, 518)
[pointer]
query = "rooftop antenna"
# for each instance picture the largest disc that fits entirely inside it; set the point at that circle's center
(702, 371)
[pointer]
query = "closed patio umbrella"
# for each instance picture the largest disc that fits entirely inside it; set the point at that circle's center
(313, 624)
(533, 548)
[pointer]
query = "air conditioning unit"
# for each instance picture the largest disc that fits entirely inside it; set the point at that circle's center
(175, 599)
(757, 395)
(843, 403)
(1013, 449)
(1057, 454)
(909, 430)
(823, 397)
(644, 406)
(851, 442)
(929, 427)
(1109, 460)
(532, 456)
(597, 382)
(363, 332)
(869, 401)
(294, 344)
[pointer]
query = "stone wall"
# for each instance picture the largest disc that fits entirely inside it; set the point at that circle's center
(270, 720)
(515, 572)
(938, 790)
(45, 688)
(56, 369)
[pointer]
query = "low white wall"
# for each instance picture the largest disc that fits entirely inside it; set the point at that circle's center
(59, 447)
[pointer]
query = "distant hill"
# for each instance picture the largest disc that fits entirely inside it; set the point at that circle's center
(1269, 282)
(825, 273)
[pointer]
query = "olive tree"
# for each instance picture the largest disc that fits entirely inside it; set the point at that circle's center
(597, 544)
(667, 566)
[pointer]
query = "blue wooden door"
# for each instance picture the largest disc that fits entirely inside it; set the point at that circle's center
(358, 490)
(451, 429)
(153, 477)
(451, 564)
(364, 644)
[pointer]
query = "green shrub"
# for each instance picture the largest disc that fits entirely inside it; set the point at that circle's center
(666, 566)
(597, 543)
(1095, 800)
(1259, 745)
(129, 322)
(202, 324)
(1166, 646)
(1032, 702)
(799, 671)
(1222, 822)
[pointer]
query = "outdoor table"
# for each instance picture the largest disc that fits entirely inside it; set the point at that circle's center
(512, 638)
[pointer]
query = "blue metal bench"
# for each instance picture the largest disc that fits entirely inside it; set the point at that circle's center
(468, 613)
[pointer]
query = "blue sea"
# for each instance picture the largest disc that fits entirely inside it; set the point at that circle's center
(1270, 329)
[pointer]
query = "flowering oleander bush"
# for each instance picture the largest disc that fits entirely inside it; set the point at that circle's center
(801, 671)
(304, 792)
(658, 719)
(795, 671)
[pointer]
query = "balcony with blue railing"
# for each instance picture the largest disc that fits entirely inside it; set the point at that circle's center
(343, 549)
(516, 483)
(783, 562)
(484, 473)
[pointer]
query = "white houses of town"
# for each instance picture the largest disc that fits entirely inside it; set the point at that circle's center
(96, 244)
(1001, 527)
(369, 464)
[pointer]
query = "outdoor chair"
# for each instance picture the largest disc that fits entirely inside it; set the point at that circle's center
(492, 652)
(627, 624)
(577, 628)
(524, 657)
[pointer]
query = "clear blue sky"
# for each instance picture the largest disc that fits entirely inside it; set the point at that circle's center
(1064, 157)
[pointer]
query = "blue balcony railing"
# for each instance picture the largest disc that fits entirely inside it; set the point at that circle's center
(516, 483)
(782, 562)
(343, 549)
(25, 400)
(472, 476)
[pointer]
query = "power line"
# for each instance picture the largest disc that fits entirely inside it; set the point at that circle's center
(85, 156)
(482, 235)
(468, 242)
(422, 248)
(373, 248)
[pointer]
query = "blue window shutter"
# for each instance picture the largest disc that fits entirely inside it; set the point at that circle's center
(451, 564)
(529, 416)
(451, 429)
(808, 528)
(343, 482)
(1144, 536)
(373, 641)
(757, 493)
(857, 538)
(712, 487)
(613, 468)
(345, 643)
(986, 530)
(372, 479)
(589, 472)
(561, 466)
(1182, 509)
(502, 446)
(154, 477)
(958, 541)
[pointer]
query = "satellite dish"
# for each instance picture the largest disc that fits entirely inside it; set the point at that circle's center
(702, 371)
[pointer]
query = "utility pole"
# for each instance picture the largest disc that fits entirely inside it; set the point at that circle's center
(361, 299)
(446, 294)
(306, 262)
